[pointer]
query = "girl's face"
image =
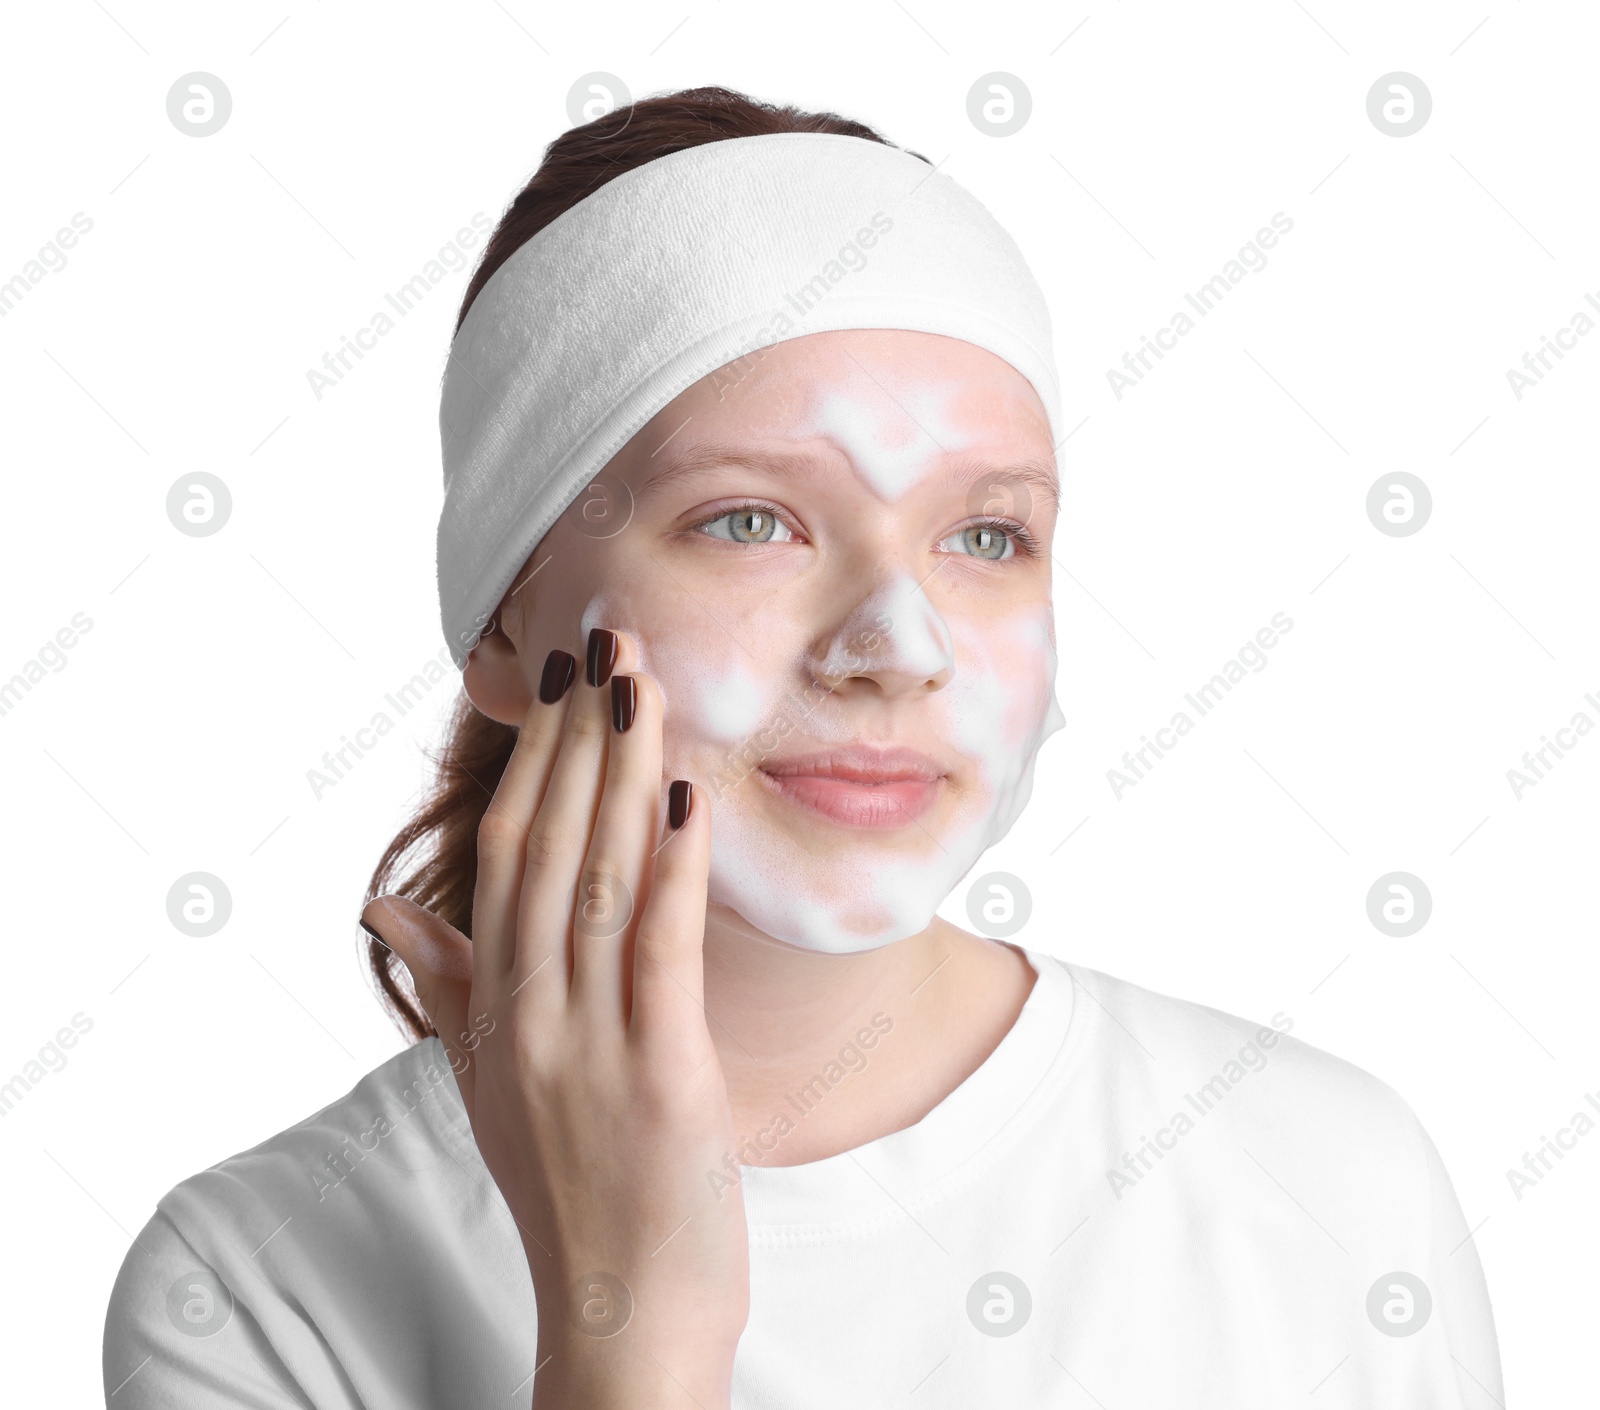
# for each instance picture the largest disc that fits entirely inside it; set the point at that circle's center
(835, 558)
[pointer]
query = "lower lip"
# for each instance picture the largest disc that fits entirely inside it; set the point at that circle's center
(874, 805)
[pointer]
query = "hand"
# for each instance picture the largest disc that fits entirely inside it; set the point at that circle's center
(575, 1024)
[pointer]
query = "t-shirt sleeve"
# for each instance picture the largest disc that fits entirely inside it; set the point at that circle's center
(1461, 1296)
(178, 1338)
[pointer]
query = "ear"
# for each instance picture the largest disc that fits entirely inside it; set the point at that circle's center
(494, 679)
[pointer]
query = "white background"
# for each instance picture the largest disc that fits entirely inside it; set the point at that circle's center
(1228, 486)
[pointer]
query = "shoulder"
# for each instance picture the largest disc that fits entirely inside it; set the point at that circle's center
(1224, 1153)
(1309, 1120)
(1166, 1032)
(404, 1114)
(233, 1248)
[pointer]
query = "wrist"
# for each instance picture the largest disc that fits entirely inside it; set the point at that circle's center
(639, 1309)
(646, 1340)
(629, 1372)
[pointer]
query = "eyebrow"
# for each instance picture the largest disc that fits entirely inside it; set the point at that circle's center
(703, 458)
(1037, 475)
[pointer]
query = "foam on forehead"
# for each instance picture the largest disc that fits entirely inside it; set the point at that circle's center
(673, 270)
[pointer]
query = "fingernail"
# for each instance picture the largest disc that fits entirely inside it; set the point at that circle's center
(602, 656)
(374, 934)
(680, 798)
(624, 700)
(559, 668)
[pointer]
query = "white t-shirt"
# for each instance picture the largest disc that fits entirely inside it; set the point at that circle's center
(1134, 1202)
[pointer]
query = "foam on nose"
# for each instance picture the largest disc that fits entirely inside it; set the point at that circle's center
(895, 628)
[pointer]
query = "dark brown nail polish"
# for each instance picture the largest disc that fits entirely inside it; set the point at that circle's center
(624, 701)
(680, 798)
(374, 934)
(559, 669)
(602, 656)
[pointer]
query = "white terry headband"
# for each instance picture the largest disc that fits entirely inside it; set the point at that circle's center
(672, 270)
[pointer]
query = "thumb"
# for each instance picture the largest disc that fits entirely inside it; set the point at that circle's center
(439, 960)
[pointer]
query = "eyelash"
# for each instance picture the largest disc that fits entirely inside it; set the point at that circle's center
(1020, 535)
(759, 505)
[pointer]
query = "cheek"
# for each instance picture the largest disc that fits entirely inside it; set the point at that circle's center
(711, 687)
(715, 699)
(1002, 699)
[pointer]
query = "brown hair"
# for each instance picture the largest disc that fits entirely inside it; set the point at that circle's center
(433, 859)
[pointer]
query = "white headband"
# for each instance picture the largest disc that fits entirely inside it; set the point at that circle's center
(673, 270)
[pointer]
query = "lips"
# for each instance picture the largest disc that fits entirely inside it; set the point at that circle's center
(859, 785)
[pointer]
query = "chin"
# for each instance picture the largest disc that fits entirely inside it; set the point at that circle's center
(838, 900)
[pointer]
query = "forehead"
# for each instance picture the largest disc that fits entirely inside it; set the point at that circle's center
(892, 399)
(877, 369)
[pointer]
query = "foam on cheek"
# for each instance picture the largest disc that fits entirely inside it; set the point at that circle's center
(817, 898)
(1003, 702)
(600, 612)
(1008, 709)
(729, 705)
(838, 899)
(712, 695)
(917, 431)
(1018, 660)
(998, 705)
(1045, 636)
(841, 900)
(998, 708)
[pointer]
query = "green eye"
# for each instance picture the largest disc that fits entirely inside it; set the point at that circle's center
(748, 525)
(989, 541)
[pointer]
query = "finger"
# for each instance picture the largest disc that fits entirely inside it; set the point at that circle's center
(503, 829)
(558, 836)
(614, 879)
(439, 960)
(669, 942)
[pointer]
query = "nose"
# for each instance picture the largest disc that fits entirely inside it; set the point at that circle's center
(894, 637)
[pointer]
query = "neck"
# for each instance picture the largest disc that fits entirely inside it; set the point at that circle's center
(890, 1031)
